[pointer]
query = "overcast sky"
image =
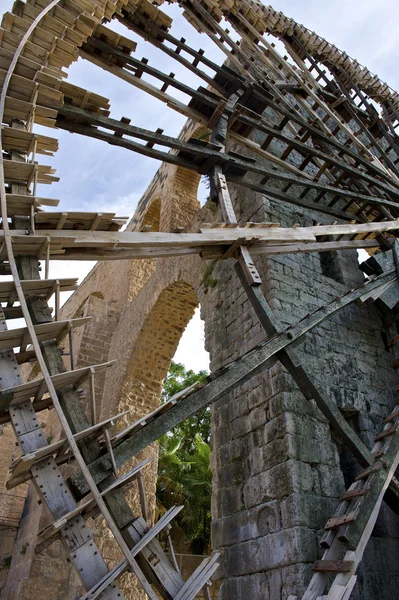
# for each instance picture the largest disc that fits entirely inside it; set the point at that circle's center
(95, 176)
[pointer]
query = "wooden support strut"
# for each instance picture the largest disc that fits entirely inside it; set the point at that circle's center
(265, 240)
(77, 120)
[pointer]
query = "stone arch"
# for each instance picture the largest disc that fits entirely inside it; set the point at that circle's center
(149, 362)
(152, 217)
(155, 347)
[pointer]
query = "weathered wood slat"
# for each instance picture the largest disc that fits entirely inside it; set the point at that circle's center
(17, 204)
(17, 172)
(36, 389)
(332, 566)
(50, 534)
(36, 287)
(79, 221)
(14, 338)
(26, 461)
(121, 567)
(199, 578)
(24, 141)
(70, 243)
(336, 522)
(349, 495)
(78, 121)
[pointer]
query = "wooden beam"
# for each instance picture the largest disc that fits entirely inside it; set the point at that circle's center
(66, 243)
(85, 122)
(223, 381)
(289, 359)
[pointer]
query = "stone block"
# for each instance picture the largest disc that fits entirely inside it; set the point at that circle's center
(260, 585)
(295, 579)
(279, 481)
(273, 551)
(279, 427)
(306, 510)
(231, 499)
(246, 525)
(331, 481)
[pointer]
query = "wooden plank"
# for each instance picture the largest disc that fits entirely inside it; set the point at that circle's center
(342, 520)
(79, 220)
(375, 466)
(199, 578)
(14, 338)
(24, 141)
(212, 237)
(19, 109)
(48, 533)
(26, 461)
(206, 252)
(35, 389)
(16, 172)
(37, 287)
(37, 406)
(393, 416)
(388, 431)
(122, 566)
(349, 495)
(17, 204)
(161, 239)
(332, 566)
(335, 229)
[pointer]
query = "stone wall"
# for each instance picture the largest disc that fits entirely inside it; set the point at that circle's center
(278, 470)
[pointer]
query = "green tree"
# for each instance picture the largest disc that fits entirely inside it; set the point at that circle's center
(184, 474)
(177, 380)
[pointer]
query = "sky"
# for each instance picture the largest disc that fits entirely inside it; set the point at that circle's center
(96, 176)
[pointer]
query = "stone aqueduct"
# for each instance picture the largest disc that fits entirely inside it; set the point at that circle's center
(278, 468)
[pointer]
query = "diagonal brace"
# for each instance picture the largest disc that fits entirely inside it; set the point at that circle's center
(224, 381)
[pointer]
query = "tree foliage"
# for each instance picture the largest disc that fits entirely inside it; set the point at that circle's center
(177, 380)
(184, 474)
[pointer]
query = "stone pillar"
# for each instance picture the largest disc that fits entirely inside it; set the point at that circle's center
(278, 470)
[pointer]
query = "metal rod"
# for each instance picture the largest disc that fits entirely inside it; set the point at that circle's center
(172, 551)
(72, 358)
(142, 494)
(107, 437)
(93, 397)
(47, 267)
(57, 300)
